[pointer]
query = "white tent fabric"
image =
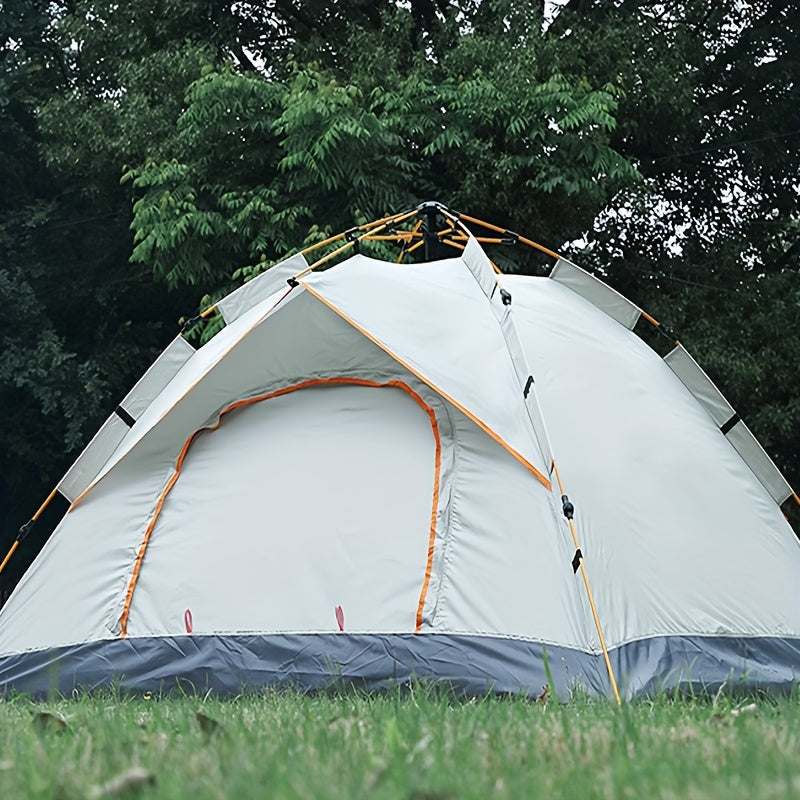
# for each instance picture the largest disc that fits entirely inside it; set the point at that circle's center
(376, 298)
(697, 549)
(354, 480)
(117, 426)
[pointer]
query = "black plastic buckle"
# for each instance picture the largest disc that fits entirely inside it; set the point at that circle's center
(668, 332)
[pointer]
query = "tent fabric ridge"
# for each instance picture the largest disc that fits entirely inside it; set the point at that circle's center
(251, 292)
(702, 388)
(213, 426)
(524, 461)
(110, 435)
(449, 512)
(596, 292)
(725, 417)
(474, 257)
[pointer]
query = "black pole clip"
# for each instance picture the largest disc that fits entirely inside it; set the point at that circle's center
(576, 560)
(726, 427)
(190, 323)
(667, 332)
(353, 236)
(25, 529)
(505, 296)
(125, 416)
(293, 282)
(509, 237)
(567, 507)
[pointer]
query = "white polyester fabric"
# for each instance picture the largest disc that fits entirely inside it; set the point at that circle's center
(260, 288)
(596, 292)
(298, 504)
(721, 411)
(193, 372)
(505, 554)
(418, 313)
(679, 536)
(496, 541)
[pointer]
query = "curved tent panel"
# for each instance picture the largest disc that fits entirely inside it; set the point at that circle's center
(596, 292)
(721, 411)
(260, 288)
(686, 368)
(680, 537)
(315, 469)
(481, 568)
(191, 372)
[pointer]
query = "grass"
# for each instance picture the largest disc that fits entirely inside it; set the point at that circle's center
(421, 744)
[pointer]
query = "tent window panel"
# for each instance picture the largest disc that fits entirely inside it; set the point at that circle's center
(314, 499)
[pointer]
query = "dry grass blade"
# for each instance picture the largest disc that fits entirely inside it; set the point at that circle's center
(49, 721)
(543, 697)
(125, 784)
(207, 724)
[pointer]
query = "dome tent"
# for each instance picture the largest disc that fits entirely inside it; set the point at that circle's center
(368, 475)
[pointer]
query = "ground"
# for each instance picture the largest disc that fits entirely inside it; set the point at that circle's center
(412, 743)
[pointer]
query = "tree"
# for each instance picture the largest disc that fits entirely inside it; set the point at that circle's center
(77, 325)
(708, 239)
(261, 164)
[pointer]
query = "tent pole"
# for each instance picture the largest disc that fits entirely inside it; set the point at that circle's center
(367, 226)
(351, 243)
(406, 247)
(579, 563)
(568, 508)
(9, 554)
(27, 528)
(529, 242)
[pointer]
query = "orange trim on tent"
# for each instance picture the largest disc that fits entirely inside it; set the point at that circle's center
(482, 425)
(137, 566)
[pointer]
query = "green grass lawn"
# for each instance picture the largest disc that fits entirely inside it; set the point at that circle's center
(418, 743)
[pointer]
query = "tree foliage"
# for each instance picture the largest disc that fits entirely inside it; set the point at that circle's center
(258, 162)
